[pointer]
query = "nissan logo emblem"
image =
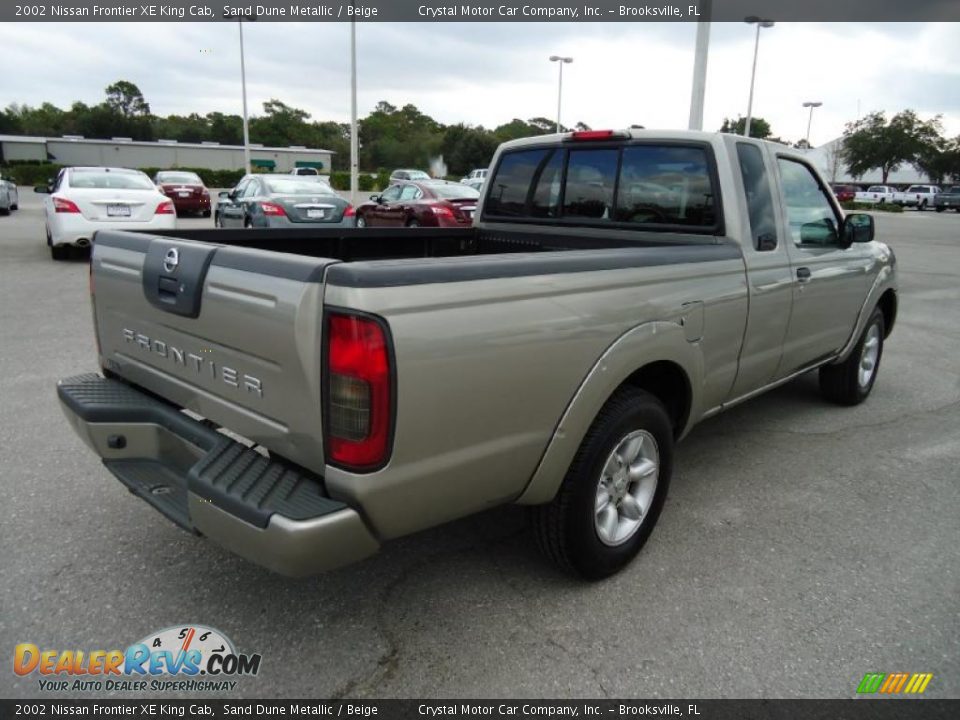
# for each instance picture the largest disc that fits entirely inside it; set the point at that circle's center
(171, 260)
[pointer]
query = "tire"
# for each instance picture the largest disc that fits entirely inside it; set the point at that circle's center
(413, 224)
(59, 252)
(939, 208)
(361, 222)
(206, 213)
(921, 206)
(247, 223)
(5, 211)
(569, 529)
(850, 382)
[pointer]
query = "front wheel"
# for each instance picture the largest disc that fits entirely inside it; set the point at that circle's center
(850, 382)
(613, 492)
(361, 222)
(921, 206)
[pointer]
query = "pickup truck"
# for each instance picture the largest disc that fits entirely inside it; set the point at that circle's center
(302, 396)
(947, 199)
(876, 195)
(919, 196)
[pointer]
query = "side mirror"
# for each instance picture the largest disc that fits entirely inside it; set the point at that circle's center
(43, 189)
(375, 198)
(224, 195)
(857, 228)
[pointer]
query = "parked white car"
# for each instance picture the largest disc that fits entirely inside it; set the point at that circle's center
(83, 200)
(876, 195)
(9, 199)
(475, 178)
(919, 196)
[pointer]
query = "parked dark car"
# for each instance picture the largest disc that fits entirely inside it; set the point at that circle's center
(264, 200)
(845, 193)
(420, 204)
(947, 199)
(186, 189)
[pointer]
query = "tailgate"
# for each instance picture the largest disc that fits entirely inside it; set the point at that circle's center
(230, 333)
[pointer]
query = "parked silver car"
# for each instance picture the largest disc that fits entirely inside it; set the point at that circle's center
(9, 199)
(289, 201)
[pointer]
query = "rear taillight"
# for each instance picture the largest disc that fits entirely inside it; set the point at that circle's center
(273, 209)
(358, 393)
(441, 211)
(165, 208)
(62, 205)
(350, 211)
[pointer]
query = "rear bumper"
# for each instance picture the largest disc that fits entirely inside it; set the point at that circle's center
(74, 229)
(268, 512)
(190, 204)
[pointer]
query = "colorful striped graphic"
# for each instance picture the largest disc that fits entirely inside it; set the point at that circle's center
(894, 683)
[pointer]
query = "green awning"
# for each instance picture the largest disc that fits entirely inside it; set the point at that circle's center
(309, 163)
(264, 163)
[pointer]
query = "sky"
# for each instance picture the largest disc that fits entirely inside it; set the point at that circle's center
(489, 73)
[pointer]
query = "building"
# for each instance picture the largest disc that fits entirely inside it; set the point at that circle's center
(828, 160)
(124, 152)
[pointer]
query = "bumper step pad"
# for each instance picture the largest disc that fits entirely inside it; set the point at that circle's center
(231, 476)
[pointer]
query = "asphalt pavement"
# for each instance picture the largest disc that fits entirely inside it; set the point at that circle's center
(802, 545)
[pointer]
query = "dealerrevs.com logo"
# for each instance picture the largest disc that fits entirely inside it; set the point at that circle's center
(186, 658)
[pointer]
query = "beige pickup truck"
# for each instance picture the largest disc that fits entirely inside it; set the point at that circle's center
(302, 396)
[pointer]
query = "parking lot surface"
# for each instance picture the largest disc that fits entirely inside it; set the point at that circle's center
(802, 544)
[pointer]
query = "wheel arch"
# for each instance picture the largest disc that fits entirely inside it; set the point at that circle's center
(655, 357)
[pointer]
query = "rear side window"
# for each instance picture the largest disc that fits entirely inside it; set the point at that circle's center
(756, 187)
(651, 185)
(517, 173)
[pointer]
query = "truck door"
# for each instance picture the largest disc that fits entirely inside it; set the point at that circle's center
(769, 275)
(829, 280)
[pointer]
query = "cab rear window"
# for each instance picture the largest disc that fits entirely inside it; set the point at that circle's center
(666, 186)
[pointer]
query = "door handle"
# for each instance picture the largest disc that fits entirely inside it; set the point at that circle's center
(803, 274)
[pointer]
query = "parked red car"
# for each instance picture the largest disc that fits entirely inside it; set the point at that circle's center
(186, 189)
(436, 203)
(845, 193)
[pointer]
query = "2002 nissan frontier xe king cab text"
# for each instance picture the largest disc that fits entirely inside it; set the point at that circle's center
(301, 396)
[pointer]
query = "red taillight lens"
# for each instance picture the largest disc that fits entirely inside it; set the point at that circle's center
(441, 211)
(165, 208)
(62, 205)
(350, 211)
(358, 393)
(270, 208)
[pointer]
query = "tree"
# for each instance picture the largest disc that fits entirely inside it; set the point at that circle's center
(759, 128)
(873, 142)
(126, 99)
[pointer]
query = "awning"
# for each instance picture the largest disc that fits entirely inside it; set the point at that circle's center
(309, 163)
(270, 164)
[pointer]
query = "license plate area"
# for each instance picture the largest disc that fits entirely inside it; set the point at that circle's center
(118, 211)
(183, 193)
(315, 214)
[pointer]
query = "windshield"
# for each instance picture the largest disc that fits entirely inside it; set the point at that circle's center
(182, 178)
(877, 188)
(414, 174)
(455, 192)
(917, 189)
(105, 179)
(297, 186)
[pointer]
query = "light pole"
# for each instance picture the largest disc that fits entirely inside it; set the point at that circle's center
(561, 60)
(243, 82)
(699, 88)
(810, 104)
(760, 23)
(354, 140)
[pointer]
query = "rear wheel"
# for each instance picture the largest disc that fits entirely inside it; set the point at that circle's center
(922, 205)
(850, 382)
(206, 213)
(613, 492)
(361, 222)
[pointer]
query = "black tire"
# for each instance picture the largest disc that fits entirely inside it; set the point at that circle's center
(5, 211)
(15, 206)
(841, 383)
(921, 206)
(940, 208)
(565, 528)
(59, 252)
(361, 222)
(247, 223)
(206, 213)
(413, 223)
